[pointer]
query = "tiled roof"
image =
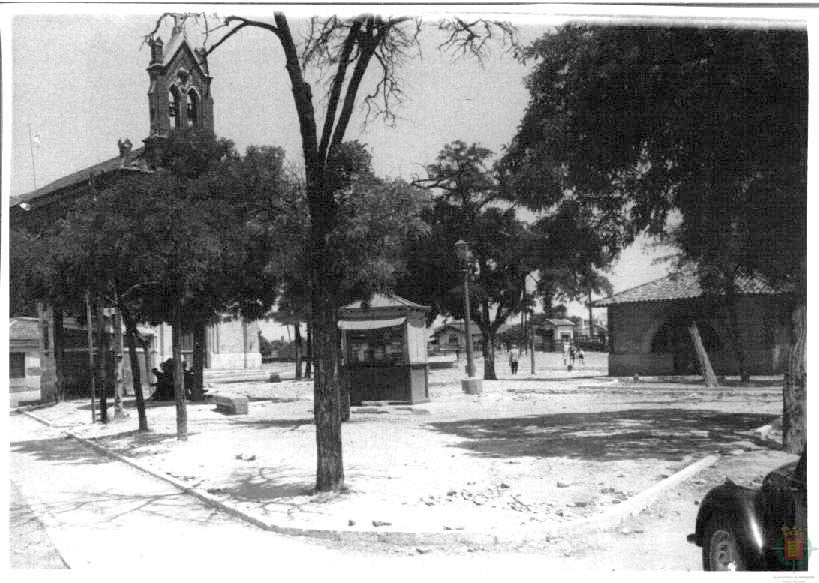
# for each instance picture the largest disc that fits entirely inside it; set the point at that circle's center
(680, 286)
(559, 322)
(76, 178)
(385, 301)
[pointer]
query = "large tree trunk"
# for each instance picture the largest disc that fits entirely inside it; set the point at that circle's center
(488, 345)
(702, 356)
(489, 358)
(327, 398)
(136, 375)
(197, 394)
(323, 211)
(102, 355)
(794, 390)
(297, 332)
(736, 333)
(178, 374)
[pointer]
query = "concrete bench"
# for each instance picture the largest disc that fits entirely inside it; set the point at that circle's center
(231, 404)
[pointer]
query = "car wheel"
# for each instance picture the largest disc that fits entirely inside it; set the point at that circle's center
(721, 550)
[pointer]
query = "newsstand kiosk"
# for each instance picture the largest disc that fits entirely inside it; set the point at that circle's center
(384, 344)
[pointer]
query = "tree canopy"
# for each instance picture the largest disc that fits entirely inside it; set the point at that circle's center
(706, 123)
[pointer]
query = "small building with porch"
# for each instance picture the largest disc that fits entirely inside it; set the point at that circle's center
(450, 337)
(648, 327)
(384, 343)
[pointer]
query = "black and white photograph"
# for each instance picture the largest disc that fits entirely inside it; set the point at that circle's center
(462, 292)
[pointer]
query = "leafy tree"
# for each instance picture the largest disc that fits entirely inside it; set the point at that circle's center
(465, 208)
(350, 48)
(709, 122)
(181, 245)
(564, 246)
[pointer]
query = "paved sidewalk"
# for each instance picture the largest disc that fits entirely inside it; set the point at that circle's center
(102, 513)
(30, 547)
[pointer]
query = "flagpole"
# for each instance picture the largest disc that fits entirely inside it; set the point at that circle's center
(31, 149)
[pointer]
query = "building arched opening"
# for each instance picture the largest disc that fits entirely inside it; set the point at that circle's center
(673, 337)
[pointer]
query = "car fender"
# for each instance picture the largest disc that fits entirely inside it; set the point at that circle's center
(738, 504)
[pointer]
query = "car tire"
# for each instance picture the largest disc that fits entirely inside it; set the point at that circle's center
(721, 547)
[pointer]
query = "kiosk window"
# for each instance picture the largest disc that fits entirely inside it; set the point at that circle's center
(383, 345)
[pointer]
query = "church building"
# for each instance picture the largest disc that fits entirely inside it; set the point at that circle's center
(179, 97)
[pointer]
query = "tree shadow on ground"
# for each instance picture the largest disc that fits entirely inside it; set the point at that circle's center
(668, 434)
(138, 438)
(267, 483)
(273, 423)
(59, 449)
(149, 404)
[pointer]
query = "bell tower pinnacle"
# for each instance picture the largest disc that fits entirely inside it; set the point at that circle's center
(179, 94)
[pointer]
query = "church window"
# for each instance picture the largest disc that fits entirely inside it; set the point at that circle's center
(173, 108)
(192, 109)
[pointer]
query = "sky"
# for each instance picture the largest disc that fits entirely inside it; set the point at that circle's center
(79, 84)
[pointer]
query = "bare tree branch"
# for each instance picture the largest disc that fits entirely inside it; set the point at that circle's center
(368, 43)
(473, 37)
(335, 91)
(229, 34)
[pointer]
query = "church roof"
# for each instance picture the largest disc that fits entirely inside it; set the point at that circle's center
(177, 42)
(681, 285)
(78, 177)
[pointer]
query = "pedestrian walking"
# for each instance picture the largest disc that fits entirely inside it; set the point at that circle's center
(572, 353)
(565, 353)
(514, 354)
(580, 355)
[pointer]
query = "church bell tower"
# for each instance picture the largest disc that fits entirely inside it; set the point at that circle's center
(179, 94)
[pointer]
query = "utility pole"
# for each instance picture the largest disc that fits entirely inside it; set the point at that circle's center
(470, 385)
(532, 339)
(31, 150)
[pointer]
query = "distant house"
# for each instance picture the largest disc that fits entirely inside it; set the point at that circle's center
(450, 337)
(648, 327)
(553, 332)
(24, 359)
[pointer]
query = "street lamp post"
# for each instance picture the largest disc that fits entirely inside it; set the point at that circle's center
(531, 335)
(470, 385)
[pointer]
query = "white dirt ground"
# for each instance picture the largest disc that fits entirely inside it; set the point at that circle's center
(528, 452)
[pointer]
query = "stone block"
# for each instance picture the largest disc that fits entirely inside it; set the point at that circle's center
(231, 404)
(472, 386)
